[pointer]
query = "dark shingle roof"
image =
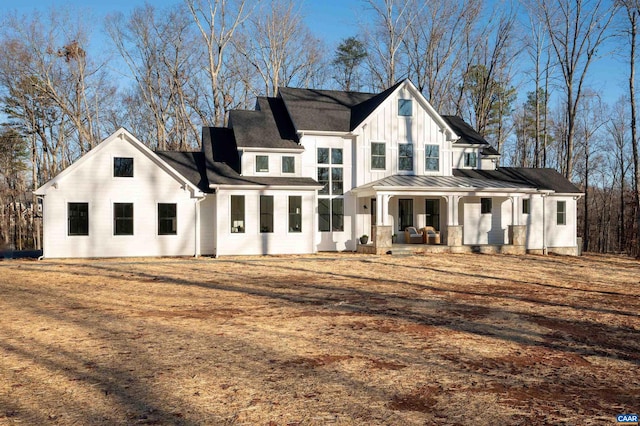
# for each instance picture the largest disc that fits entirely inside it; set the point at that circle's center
(467, 133)
(325, 110)
(191, 165)
(222, 174)
(219, 144)
(543, 179)
(267, 127)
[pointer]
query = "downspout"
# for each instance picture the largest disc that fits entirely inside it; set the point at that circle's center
(544, 224)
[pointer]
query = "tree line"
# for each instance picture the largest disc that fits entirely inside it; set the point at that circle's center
(518, 73)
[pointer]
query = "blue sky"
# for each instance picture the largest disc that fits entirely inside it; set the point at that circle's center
(329, 20)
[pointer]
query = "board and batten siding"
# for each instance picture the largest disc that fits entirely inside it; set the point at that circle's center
(94, 183)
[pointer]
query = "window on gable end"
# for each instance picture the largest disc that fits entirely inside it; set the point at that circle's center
(122, 167)
(432, 158)
(78, 218)
(378, 156)
(123, 219)
(167, 219)
(405, 157)
(405, 107)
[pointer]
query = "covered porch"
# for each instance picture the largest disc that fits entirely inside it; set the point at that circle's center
(468, 215)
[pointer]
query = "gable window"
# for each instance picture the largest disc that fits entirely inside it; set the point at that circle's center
(295, 213)
(237, 214)
(167, 219)
(262, 163)
(432, 158)
(485, 205)
(378, 155)
(330, 201)
(561, 212)
(405, 107)
(266, 213)
(288, 165)
(405, 157)
(122, 167)
(78, 218)
(123, 219)
(526, 206)
(470, 159)
(405, 213)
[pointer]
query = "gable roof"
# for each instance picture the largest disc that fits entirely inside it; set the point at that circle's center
(542, 179)
(269, 126)
(120, 134)
(467, 134)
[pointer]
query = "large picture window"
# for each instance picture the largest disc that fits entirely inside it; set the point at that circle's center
(237, 213)
(295, 213)
(122, 167)
(78, 218)
(266, 213)
(378, 156)
(330, 202)
(405, 157)
(167, 219)
(405, 213)
(561, 212)
(432, 158)
(123, 218)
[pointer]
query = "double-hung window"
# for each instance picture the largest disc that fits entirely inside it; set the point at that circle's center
(122, 218)
(561, 212)
(288, 165)
(167, 219)
(405, 157)
(432, 158)
(330, 197)
(78, 218)
(378, 156)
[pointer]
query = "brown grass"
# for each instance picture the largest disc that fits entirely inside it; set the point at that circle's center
(325, 339)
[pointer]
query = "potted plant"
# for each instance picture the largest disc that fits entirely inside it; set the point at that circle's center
(364, 239)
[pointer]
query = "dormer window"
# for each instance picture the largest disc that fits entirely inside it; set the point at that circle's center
(405, 107)
(288, 165)
(262, 163)
(470, 159)
(122, 167)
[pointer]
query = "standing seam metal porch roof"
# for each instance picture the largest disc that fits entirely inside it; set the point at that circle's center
(443, 182)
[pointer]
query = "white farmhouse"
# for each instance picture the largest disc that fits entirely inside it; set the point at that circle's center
(307, 171)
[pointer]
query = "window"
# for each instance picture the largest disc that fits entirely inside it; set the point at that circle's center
(122, 167)
(123, 219)
(266, 213)
(561, 212)
(167, 219)
(526, 206)
(432, 158)
(470, 159)
(288, 165)
(485, 205)
(378, 155)
(405, 156)
(78, 218)
(331, 203)
(262, 163)
(405, 107)
(295, 213)
(405, 213)
(237, 214)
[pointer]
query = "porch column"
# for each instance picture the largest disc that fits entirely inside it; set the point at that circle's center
(517, 232)
(454, 229)
(382, 229)
(516, 204)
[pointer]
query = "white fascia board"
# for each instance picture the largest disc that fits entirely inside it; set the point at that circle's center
(271, 150)
(302, 133)
(266, 187)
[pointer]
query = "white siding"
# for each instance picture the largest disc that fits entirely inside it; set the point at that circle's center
(248, 163)
(207, 225)
(94, 183)
(560, 235)
(487, 228)
(252, 241)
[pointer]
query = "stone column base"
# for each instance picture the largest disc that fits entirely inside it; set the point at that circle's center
(517, 235)
(454, 235)
(383, 237)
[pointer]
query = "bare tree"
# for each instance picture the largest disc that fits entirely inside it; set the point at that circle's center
(281, 48)
(576, 29)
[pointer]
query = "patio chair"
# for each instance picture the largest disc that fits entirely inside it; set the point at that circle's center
(412, 236)
(430, 235)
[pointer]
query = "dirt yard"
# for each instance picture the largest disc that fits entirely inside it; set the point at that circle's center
(339, 339)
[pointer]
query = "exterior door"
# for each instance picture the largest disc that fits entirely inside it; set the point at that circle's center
(432, 210)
